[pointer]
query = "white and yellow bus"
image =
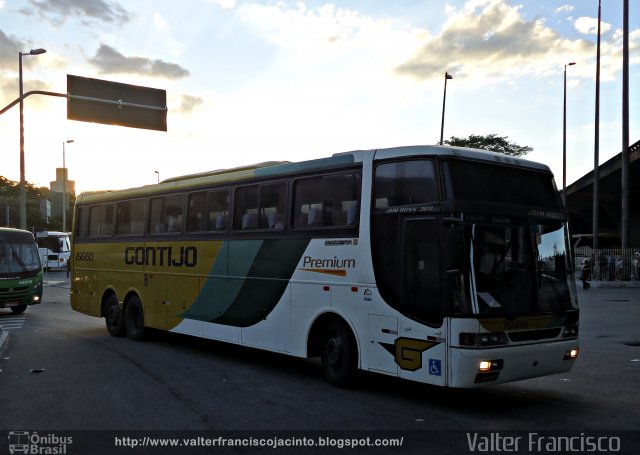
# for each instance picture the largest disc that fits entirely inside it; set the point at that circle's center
(442, 265)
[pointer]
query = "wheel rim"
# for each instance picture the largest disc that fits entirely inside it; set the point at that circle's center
(334, 352)
(136, 319)
(113, 315)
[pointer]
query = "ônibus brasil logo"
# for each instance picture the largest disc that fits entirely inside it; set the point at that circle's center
(33, 443)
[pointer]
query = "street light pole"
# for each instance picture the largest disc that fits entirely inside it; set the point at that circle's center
(158, 175)
(23, 194)
(64, 186)
(564, 137)
(444, 101)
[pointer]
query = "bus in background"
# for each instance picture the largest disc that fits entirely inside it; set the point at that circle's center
(20, 270)
(55, 249)
(442, 265)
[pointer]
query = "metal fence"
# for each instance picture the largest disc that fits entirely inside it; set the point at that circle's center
(610, 264)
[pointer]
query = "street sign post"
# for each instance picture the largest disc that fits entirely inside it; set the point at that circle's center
(114, 103)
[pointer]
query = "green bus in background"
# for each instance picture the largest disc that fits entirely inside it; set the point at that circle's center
(20, 270)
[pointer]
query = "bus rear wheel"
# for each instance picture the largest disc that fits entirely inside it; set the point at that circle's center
(18, 309)
(113, 317)
(339, 356)
(134, 319)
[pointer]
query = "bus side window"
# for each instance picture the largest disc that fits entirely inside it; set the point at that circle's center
(246, 208)
(130, 217)
(173, 212)
(108, 219)
(330, 200)
(196, 212)
(218, 210)
(307, 202)
(156, 222)
(82, 226)
(95, 220)
(272, 205)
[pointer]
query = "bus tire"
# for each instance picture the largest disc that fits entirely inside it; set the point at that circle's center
(134, 319)
(18, 309)
(113, 317)
(339, 355)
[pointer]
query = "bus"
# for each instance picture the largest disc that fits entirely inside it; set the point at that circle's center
(55, 249)
(443, 265)
(20, 270)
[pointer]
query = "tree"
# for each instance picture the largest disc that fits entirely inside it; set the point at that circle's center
(491, 142)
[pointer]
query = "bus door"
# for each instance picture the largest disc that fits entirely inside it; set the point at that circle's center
(421, 344)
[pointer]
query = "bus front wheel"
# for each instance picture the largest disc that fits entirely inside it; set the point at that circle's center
(18, 309)
(113, 317)
(339, 356)
(134, 319)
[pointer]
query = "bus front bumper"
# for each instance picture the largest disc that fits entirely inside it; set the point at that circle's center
(478, 367)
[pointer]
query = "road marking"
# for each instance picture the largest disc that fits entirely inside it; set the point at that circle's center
(12, 323)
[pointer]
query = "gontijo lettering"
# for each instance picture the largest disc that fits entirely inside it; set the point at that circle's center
(185, 256)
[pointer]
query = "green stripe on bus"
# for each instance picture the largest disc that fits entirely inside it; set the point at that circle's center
(233, 295)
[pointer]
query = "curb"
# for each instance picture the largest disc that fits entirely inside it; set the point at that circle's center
(597, 284)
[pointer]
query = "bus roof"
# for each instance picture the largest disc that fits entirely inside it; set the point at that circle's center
(14, 234)
(43, 234)
(274, 168)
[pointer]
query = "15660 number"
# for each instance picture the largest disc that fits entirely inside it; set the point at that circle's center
(84, 256)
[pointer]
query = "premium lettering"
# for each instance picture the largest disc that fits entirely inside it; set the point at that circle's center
(334, 263)
(163, 256)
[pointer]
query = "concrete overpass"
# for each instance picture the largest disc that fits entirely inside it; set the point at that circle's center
(580, 199)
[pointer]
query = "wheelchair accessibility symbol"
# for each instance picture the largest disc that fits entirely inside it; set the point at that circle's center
(435, 367)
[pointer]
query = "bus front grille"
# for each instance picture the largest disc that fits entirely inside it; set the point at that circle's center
(534, 335)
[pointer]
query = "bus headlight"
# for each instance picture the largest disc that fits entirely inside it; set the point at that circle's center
(490, 365)
(572, 354)
(570, 331)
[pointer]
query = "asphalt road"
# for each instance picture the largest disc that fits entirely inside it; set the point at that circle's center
(61, 371)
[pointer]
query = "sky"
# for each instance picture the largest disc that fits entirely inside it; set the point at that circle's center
(253, 81)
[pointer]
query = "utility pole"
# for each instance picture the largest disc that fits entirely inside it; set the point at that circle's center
(596, 146)
(625, 127)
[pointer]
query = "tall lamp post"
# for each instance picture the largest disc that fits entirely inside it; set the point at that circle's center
(158, 175)
(23, 194)
(447, 76)
(564, 137)
(64, 186)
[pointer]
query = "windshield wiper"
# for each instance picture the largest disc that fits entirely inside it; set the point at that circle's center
(545, 269)
(19, 260)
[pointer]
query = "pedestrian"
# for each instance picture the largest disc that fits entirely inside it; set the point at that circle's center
(612, 267)
(586, 272)
(636, 265)
(602, 267)
(619, 265)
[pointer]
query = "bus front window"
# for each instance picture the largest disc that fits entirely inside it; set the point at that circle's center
(16, 258)
(552, 267)
(519, 269)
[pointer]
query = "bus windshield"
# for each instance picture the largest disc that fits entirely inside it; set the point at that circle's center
(18, 257)
(519, 269)
(55, 243)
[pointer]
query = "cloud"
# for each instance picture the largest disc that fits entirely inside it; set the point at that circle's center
(589, 26)
(9, 48)
(108, 60)
(189, 103)
(225, 4)
(158, 22)
(489, 38)
(563, 8)
(57, 11)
